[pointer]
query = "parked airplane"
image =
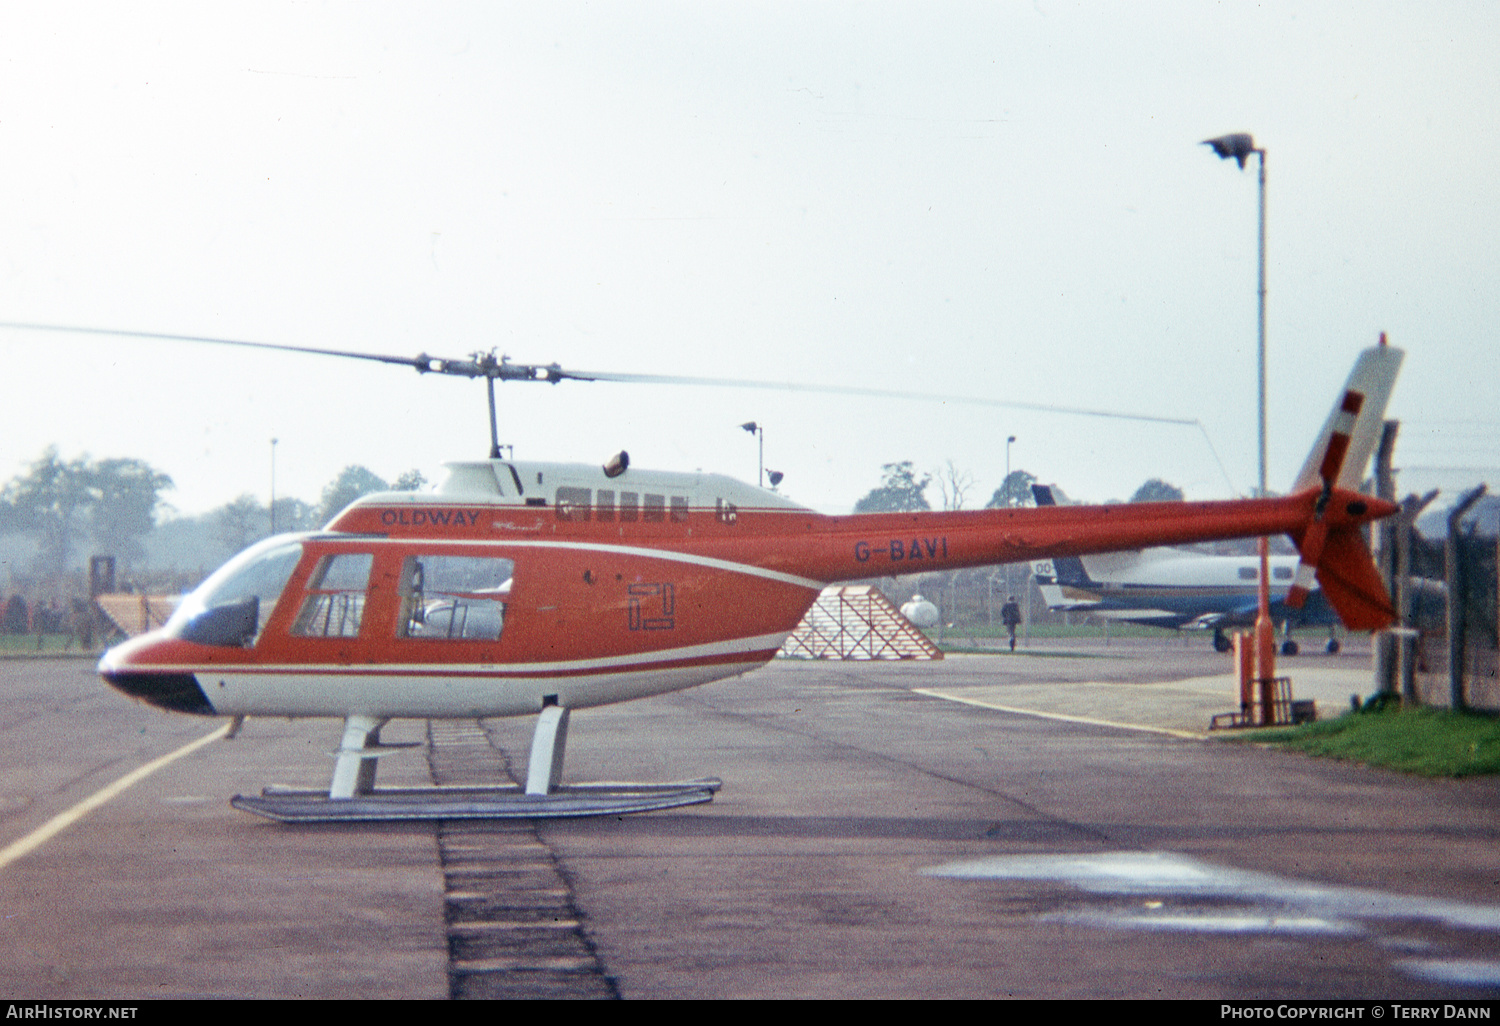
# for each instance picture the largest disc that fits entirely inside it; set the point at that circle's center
(1177, 588)
(1173, 587)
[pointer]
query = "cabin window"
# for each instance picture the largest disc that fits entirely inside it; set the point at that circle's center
(604, 505)
(679, 509)
(1249, 573)
(572, 503)
(654, 510)
(629, 507)
(231, 607)
(1281, 573)
(335, 603)
(454, 598)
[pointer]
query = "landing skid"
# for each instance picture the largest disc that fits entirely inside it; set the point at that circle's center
(353, 797)
(394, 803)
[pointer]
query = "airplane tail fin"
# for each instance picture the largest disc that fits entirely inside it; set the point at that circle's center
(1337, 557)
(1067, 570)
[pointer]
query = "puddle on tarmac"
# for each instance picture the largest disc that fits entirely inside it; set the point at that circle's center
(1250, 922)
(1169, 885)
(1456, 970)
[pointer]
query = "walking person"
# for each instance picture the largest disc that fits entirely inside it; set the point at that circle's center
(1010, 615)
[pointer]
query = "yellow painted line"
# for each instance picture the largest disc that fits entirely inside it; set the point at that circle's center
(1190, 735)
(1219, 687)
(57, 824)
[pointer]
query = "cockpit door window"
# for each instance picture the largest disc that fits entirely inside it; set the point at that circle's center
(335, 603)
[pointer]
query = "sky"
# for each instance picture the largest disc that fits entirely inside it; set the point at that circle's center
(1003, 201)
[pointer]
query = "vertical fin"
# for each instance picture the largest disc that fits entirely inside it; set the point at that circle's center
(1352, 584)
(1338, 559)
(1373, 377)
(1061, 569)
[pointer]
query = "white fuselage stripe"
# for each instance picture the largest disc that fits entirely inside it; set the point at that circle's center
(606, 547)
(739, 646)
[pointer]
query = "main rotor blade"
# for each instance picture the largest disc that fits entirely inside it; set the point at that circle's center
(879, 393)
(477, 365)
(487, 366)
(410, 361)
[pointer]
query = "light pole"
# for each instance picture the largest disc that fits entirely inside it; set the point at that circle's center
(1239, 146)
(1008, 442)
(1010, 500)
(759, 431)
(273, 486)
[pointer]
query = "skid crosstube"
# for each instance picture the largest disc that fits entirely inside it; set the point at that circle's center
(501, 802)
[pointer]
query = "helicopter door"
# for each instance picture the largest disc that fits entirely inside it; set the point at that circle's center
(335, 602)
(454, 598)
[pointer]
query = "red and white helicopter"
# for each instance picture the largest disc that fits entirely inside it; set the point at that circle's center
(519, 588)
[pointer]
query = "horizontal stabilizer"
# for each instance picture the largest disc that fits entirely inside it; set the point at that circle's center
(1352, 584)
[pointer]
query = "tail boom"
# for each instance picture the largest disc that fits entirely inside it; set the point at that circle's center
(875, 545)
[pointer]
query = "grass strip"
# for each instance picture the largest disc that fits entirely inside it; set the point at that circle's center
(1421, 741)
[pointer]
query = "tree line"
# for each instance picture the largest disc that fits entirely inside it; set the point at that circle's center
(58, 511)
(902, 491)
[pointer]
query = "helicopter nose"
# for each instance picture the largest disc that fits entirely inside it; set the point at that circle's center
(177, 692)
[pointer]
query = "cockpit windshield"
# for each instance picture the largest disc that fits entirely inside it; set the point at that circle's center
(232, 606)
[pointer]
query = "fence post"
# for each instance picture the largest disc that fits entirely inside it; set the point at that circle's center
(1453, 568)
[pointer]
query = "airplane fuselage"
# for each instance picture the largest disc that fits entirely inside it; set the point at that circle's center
(1176, 588)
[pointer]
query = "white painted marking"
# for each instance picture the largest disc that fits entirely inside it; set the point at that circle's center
(57, 824)
(1463, 972)
(1159, 873)
(669, 555)
(606, 548)
(736, 646)
(1208, 923)
(1188, 734)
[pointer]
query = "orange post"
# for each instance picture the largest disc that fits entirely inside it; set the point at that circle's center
(1244, 662)
(1265, 641)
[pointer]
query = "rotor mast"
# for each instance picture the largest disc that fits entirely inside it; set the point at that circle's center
(490, 367)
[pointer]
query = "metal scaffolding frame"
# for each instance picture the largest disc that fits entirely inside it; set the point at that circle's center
(857, 622)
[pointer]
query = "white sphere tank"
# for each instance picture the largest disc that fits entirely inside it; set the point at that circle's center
(920, 612)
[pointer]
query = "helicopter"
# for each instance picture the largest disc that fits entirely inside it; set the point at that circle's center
(518, 588)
